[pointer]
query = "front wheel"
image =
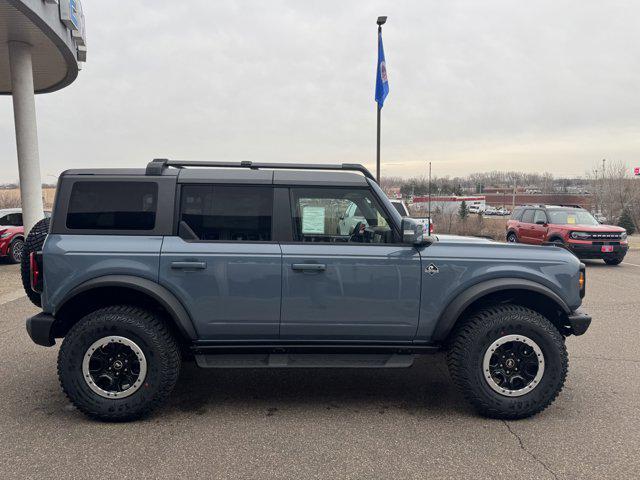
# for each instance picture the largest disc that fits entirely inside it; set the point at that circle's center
(512, 238)
(510, 362)
(118, 363)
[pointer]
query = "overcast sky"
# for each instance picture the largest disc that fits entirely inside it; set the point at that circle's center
(474, 86)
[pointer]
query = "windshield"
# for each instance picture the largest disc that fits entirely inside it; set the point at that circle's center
(571, 217)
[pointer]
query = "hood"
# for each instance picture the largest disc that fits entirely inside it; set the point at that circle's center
(461, 239)
(595, 228)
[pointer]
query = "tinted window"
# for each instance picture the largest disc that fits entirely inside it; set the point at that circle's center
(339, 215)
(112, 206)
(12, 220)
(399, 206)
(517, 214)
(540, 216)
(226, 213)
(527, 216)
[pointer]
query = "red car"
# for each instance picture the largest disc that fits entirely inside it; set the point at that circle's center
(570, 226)
(12, 234)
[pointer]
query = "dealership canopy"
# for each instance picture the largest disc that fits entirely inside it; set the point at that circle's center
(42, 48)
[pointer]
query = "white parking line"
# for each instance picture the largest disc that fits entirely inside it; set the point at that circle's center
(11, 296)
(632, 264)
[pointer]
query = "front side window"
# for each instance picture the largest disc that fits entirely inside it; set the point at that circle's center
(527, 216)
(112, 206)
(226, 213)
(339, 216)
(540, 217)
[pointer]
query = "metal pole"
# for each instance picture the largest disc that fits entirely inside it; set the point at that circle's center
(429, 215)
(24, 111)
(378, 147)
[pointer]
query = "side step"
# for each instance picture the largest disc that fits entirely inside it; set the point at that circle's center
(305, 360)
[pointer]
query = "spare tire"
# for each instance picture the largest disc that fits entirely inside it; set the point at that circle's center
(32, 243)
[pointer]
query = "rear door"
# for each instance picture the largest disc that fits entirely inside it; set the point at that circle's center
(526, 226)
(223, 265)
(363, 285)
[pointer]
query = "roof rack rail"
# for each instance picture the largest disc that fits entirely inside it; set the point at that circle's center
(157, 166)
(570, 205)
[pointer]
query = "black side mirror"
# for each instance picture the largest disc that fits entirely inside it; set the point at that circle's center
(415, 233)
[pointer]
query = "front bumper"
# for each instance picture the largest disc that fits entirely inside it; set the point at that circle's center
(40, 329)
(594, 250)
(578, 322)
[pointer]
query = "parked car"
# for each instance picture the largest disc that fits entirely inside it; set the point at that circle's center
(569, 226)
(402, 209)
(12, 234)
(476, 209)
(242, 266)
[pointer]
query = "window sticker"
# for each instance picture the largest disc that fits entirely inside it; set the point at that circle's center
(571, 219)
(313, 220)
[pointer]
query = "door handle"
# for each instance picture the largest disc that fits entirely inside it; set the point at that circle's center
(188, 265)
(308, 267)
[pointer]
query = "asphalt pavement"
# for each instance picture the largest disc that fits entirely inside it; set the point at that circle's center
(300, 424)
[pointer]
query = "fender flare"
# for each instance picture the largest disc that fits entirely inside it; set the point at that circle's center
(153, 289)
(454, 309)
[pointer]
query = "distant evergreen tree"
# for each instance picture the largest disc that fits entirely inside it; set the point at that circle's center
(626, 222)
(463, 212)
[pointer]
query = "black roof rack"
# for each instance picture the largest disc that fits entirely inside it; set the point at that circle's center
(157, 166)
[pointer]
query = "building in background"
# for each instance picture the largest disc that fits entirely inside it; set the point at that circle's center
(448, 203)
(42, 48)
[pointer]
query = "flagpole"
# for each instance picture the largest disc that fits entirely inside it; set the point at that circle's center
(378, 147)
(381, 21)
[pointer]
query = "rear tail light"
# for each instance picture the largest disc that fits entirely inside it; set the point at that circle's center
(36, 277)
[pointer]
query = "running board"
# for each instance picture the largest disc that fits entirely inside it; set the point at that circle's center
(304, 360)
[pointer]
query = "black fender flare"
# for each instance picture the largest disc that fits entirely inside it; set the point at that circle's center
(153, 289)
(454, 309)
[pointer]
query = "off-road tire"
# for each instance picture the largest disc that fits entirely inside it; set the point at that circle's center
(15, 250)
(154, 338)
(32, 243)
(613, 261)
(470, 341)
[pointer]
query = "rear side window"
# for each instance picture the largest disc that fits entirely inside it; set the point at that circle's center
(226, 213)
(527, 216)
(112, 206)
(517, 214)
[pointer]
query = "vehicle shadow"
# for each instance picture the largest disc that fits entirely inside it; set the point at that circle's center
(424, 388)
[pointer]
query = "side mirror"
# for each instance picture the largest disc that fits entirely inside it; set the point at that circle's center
(541, 222)
(415, 233)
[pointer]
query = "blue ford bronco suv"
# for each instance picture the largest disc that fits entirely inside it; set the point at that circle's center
(247, 265)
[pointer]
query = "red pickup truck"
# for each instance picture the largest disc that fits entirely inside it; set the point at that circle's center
(570, 226)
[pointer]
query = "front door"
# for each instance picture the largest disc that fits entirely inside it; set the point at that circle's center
(223, 265)
(359, 285)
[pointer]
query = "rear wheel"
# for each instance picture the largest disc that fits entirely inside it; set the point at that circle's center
(613, 261)
(15, 250)
(33, 243)
(509, 361)
(118, 363)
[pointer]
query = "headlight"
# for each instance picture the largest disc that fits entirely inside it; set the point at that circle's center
(623, 237)
(580, 235)
(5, 234)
